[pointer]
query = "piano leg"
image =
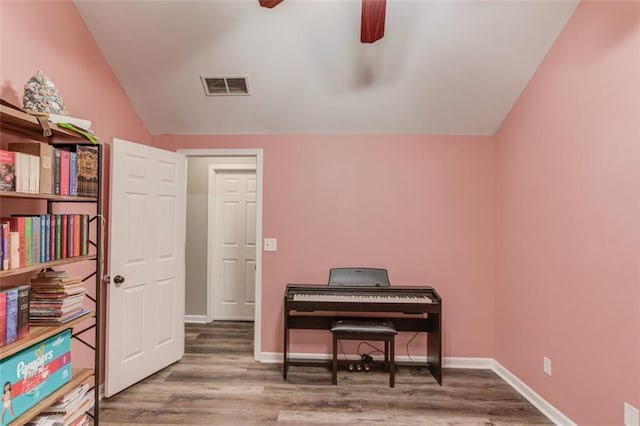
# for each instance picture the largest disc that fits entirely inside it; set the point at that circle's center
(285, 360)
(434, 347)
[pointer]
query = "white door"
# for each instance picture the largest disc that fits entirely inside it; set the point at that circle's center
(234, 253)
(145, 312)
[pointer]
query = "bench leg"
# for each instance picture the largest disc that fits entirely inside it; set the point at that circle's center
(334, 374)
(392, 364)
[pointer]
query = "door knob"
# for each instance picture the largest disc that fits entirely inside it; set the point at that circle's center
(118, 279)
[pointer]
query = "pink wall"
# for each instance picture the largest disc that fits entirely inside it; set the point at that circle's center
(567, 220)
(559, 188)
(52, 37)
(421, 206)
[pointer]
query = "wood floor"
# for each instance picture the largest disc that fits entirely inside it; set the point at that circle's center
(218, 383)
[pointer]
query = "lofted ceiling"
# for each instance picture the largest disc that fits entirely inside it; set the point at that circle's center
(442, 67)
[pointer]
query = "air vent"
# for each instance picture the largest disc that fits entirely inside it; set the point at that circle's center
(225, 86)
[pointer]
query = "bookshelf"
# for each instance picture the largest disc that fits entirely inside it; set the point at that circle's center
(20, 123)
(17, 122)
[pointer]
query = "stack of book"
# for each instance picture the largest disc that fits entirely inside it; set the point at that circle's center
(70, 410)
(56, 298)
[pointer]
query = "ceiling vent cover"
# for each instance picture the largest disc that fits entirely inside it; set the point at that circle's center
(225, 86)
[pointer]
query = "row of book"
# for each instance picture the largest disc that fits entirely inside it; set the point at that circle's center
(70, 410)
(14, 314)
(30, 239)
(37, 167)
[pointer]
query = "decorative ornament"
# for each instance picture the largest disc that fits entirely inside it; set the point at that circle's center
(42, 97)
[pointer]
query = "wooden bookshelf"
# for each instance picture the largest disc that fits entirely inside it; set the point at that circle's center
(22, 124)
(50, 197)
(17, 122)
(39, 266)
(78, 376)
(39, 333)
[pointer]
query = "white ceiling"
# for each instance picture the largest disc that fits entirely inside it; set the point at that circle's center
(443, 67)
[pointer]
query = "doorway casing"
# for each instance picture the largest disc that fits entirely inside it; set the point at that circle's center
(258, 155)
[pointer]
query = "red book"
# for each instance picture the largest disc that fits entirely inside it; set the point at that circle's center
(63, 235)
(3, 318)
(64, 172)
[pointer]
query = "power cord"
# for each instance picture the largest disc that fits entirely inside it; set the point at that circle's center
(409, 341)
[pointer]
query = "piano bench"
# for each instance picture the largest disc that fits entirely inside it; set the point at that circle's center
(377, 330)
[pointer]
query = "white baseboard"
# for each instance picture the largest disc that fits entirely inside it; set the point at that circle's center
(449, 362)
(536, 400)
(472, 363)
(195, 319)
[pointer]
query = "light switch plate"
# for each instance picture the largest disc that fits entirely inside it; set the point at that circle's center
(270, 244)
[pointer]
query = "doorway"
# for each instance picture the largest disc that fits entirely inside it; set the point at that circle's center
(231, 258)
(203, 294)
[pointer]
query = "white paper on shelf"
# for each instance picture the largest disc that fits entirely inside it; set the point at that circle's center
(78, 122)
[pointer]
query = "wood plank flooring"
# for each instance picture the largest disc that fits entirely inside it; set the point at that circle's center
(218, 383)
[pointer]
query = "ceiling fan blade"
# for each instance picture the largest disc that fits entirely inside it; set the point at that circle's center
(269, 3)
(372, 25)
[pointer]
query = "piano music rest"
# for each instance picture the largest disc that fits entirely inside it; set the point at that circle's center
(383, 331)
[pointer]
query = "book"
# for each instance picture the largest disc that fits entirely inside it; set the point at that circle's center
(47, 240)
(57, 281)
(23, 311)
(64, 172)
(4, 236)
(22, 169)
(58, 236)
(56, 170)
(87, 170)
(28, 239)
(7, 170)
(70, 234)
(77, 218)
(44, 152)
(73, 173)
(64, 235)
(84, 234)
(17, 224)
(35, 239)
(52, 237)
(14, 250)
(2, 250)
(34, 174)
(12, 315)
(3, 318)
(50, 273)
(43, 238)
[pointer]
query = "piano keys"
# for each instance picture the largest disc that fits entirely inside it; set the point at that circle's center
(411, 308)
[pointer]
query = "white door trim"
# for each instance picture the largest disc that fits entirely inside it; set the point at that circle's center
(258, 154)
(214, 169)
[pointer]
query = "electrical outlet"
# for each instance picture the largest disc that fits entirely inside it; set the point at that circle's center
(546, 366)
(631, 415)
